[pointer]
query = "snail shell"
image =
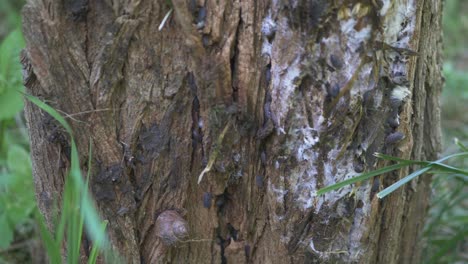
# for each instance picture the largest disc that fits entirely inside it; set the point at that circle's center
(171, 227)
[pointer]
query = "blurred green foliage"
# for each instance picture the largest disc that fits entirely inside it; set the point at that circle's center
(17, 202)
(11, 101)
(9, 16)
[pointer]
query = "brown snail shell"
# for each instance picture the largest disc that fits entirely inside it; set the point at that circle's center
(171, 227)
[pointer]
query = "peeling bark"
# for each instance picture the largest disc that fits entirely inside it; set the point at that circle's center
(306, 91)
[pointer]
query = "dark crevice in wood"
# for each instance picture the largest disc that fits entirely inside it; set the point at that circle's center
(233, 64)
(197, 132)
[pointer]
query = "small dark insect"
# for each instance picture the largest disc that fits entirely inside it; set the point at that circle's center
(375, 187)
(393, 121)
(201, 14)
(201, 18)
(247, 251)
(263, 158)
(259, 181)
(394, 137)
(268, 75)
(358, 167)
(333, 90)
(207, 196)
(221, 201)
(206, 40)
(336, 61)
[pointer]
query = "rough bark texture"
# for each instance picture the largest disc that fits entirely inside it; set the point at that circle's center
(282, 97)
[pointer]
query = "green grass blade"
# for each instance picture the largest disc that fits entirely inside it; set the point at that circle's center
(400, 160)
(91, 216)
(401, 182)
(51, 246)
(361, 177)
(455, 155)
(50, 111)
(76, 218)
(450, 245)
(460, 145)
(85, 193)
(448, 168)
(422, 163)
(60, 230)
(96, 246)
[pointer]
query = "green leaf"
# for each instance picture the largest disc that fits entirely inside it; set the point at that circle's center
(450, 245)
(6, 180)
(10, 49)
(6, 232)
(10, 78)
(51, 246)
(96, 246)
(10, 103)
(18, 160)
(361, 177)
(50, 111)
(92, 219)
(401, 182)
(460, 145)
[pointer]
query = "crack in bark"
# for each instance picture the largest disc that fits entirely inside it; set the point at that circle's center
(233, 63)
(197, 132)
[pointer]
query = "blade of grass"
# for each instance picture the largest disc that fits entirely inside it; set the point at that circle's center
(52, 248)
(50, 111)
(449, 245)
(460, 145)
(85, 191)
(91, 216)
(94, 251)
(410, 162)
(401, 182)
(455, 155)
(361, 177)
(449, 168)
(60, 233)
(70, 207)
(425, 163)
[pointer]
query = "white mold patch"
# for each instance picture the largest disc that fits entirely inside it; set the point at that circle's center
(279, 193)
(363, 78)
(304, 186)
(386, 4)
(268, 26)
(400, 93)
(354, 37)
(337, 172)
(308, 138)
(282, 87)
(360, 221)
(266, 48)
(399, 22)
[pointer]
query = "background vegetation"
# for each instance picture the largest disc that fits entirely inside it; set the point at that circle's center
(446, 231)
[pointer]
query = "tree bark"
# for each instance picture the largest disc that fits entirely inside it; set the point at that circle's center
(280, 97)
